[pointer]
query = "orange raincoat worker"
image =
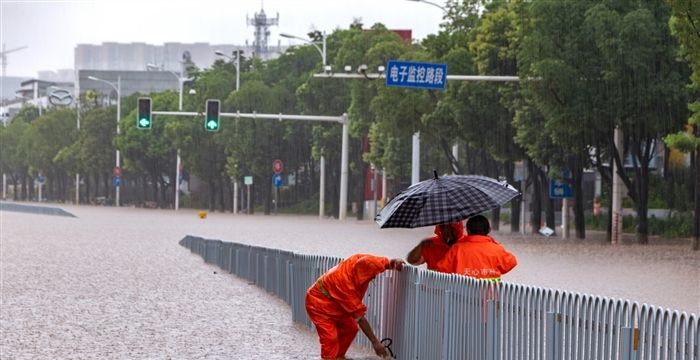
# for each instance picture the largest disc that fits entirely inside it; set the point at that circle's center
(431, 250)
(478, 255)
(334, 303)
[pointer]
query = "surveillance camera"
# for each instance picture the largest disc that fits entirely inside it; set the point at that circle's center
(193, 92)
(380, 69)
(362, 68)
(327, 69)
(348, 68)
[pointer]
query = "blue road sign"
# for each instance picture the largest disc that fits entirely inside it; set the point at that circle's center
(40, 179)
(116, 181)
(561, 188)
(277, 180)
(416, 75)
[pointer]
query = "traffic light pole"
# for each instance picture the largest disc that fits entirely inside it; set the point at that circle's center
(343, 119)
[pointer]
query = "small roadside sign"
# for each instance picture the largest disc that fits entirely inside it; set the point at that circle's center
(248, 180)
(277, 180)
(41, 179)
(277, 166)
(116, 181)
(116, 171)
(416, 75)
(561, 188)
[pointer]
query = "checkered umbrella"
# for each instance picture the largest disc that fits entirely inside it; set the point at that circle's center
(444, 200)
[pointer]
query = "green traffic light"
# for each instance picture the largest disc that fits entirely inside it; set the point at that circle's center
(212, 125)
(143, 119)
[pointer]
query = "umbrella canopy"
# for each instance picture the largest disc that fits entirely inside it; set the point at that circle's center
(444, 200)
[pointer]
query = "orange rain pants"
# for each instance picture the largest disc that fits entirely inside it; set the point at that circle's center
(335, 333)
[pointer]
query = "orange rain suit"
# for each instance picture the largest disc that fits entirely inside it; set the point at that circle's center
(478, 256)
(434, 251)
(334, 301)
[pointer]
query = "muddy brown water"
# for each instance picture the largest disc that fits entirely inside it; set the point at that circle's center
(113, 283)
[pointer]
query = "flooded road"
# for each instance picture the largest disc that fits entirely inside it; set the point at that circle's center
(113, 283)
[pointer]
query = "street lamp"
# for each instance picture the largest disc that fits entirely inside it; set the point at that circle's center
(181, 81)
(118, 89)
(322, 51)
(415, 152)
(237, 64)
(430, 3)
(180, 78)
(322, 182)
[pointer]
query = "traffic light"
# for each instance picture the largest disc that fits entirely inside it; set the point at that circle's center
(211, 123)
(144, 119)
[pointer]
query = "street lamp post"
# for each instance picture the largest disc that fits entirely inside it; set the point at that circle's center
(322, 51)
(430, 3)
(415, 151)
(117, 88)
(237, 64)
(181, 81)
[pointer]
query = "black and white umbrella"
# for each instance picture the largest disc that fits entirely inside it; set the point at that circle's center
(444, 200)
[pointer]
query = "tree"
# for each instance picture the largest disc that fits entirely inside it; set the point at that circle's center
(685, 24)
(585, 89)
(45, 138)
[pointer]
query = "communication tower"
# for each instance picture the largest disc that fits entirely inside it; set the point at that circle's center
(262, 32)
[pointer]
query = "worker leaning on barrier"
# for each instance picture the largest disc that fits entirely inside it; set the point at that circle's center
(478, 255)
(432, 249)
(334, 303)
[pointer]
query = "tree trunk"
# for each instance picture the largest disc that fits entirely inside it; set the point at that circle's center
(25, 190)
(695, 243)
(360, 186)
(509, 169)
(576, 168)
(212, 196)
(15, 193)
(643, 204)
(536, 217)
(579, 217)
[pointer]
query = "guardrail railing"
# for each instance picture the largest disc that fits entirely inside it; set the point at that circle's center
(431, 315)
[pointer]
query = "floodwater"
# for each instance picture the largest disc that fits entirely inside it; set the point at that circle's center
(113, 283)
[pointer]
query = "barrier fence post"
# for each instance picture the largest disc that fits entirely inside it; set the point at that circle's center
(552, 335)
(445, 325)
(492, 331)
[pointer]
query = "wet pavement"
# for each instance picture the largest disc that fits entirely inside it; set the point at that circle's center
(113, 283)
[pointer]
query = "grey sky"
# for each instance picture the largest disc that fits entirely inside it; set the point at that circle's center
(51, 29)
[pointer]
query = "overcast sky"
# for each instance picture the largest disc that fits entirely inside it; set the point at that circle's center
(51, 29)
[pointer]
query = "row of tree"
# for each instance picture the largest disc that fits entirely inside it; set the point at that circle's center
(586, 68)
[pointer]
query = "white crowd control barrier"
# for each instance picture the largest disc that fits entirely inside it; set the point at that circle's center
(430, 315)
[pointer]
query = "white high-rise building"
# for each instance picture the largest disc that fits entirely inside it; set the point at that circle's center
(136, 56)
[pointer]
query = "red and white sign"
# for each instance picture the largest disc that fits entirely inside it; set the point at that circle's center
(116, 171)
(277, 166)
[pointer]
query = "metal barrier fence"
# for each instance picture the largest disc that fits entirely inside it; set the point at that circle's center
(430, 315)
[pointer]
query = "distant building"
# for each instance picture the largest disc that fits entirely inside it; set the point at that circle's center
(8, 86)
(137, 56)
(36, 92)
(61, 75)
(405, 34)
(143, 82)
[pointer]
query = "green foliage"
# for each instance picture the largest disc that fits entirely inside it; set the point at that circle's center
(587, 66)
(678, 225)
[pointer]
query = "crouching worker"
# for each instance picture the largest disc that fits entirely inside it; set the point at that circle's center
(334, 303)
